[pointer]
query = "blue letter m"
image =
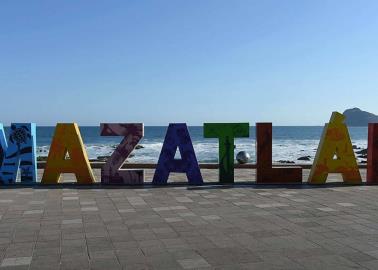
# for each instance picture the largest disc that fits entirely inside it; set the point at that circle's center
(18, 152)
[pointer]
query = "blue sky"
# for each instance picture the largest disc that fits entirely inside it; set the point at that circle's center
(287, 62)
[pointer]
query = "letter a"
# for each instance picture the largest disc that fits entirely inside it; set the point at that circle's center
(335, 154)
(177, 137)
(67, 140)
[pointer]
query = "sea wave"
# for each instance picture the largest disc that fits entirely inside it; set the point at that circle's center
(207, 151)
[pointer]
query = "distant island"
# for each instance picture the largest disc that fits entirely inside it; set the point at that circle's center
(357, 118)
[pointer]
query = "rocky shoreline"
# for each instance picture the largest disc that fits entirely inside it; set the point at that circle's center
(361, 156)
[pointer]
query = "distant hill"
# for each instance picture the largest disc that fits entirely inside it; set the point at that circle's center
(356, 117)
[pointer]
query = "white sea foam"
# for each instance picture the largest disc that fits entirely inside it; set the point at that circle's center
(288, 150)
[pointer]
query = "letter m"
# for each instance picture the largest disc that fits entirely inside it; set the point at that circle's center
(19, 152)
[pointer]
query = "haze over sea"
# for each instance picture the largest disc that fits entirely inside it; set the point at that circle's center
(289, 143)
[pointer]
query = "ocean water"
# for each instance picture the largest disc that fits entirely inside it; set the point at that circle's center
(289, 143)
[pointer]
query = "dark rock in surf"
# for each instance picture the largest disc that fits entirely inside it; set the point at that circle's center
(362, 152)
(42, 158)
(286, 162)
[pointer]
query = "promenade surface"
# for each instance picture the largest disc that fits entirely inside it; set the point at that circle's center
(180, 227)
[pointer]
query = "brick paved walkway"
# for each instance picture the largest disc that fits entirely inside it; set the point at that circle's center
(249, 227)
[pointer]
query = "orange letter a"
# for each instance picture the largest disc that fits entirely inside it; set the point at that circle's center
(67, 140)
(335, 154)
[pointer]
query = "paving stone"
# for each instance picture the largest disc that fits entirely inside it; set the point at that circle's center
(184, 200)
(36, 202)
(70, 198)
(6, 201)
(33, 212)
(72, 221)
(126, 210)
(18, 261)
(346, 204)
(211, 217)
(271, 205)
(173, 219)
(326, 209)
(88, 209)
(193, 263)
(87, 202)
(187, 214)
(242, 203)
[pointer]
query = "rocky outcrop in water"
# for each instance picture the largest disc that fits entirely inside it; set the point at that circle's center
(357, 118)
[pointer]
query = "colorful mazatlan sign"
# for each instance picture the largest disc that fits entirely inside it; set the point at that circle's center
(335, 154)
(19, 152)
(177, 137)
(67, 154)
(226, 134)
(265, 173)
(111, 172)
